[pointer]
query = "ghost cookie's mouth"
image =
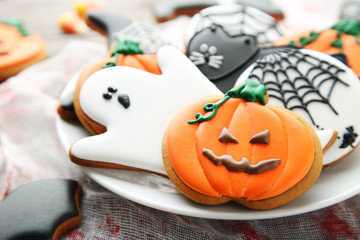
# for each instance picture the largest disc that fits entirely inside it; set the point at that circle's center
(240, 166)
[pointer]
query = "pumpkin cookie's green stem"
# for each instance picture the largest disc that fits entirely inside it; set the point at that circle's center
(125, 47)
(15, 22)
(250, 91)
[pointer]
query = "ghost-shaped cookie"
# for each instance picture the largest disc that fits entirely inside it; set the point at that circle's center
(136, 106)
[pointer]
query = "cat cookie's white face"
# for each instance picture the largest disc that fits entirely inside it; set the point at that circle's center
(136, 106)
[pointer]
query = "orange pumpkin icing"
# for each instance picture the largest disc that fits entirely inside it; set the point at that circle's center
(18, 50)
(243, 119)
(350, 47)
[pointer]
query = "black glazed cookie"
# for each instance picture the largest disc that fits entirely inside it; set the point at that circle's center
(43, 209)
(222, 57)
(107, 23)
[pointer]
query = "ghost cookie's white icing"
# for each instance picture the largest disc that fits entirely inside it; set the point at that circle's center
(319, 88)
(136, 107)
(236, 19)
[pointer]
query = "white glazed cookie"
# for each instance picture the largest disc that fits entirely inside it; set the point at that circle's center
(319, 88)
(236, 19)
(135, 107)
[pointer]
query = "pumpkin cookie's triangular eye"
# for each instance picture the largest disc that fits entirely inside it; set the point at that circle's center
(261, 137)
(227, 137)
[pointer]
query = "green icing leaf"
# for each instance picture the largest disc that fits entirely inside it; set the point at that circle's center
(15, 22)
(312, 37)
(337, 43)
(347, 26)
(249, 91)
(126, 47)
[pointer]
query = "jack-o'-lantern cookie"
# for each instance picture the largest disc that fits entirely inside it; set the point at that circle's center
(135, 107)
(341, 41)
(238, 148)
(318, 87)
(223, 40)
(18, 48)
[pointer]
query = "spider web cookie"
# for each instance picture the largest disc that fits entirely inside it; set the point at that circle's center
(316, 86)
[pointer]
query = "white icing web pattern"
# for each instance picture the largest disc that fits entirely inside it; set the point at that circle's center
(298, 79)
(241, 19)
(149, 39)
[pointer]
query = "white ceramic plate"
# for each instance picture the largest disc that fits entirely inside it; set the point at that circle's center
(334, 185)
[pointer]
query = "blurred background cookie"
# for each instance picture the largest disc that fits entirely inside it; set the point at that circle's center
(165, 10)
(19, 48)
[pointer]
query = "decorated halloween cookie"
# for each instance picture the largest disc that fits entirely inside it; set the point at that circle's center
(340, 41)
(318, 87)
(130, 44)
(125, 53)
(236, 147)
(134, 107)
(165, 10)
(236, 19)
(19, 49)
(222, 57)
(43, 209)
(222, 41)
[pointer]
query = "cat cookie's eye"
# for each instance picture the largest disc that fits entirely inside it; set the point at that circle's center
(204, 47)
(261, 137)
(227, 137)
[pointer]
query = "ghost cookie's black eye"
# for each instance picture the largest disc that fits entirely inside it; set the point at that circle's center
(107, 96)
(109, 93)
(124, 100)
(112, 89)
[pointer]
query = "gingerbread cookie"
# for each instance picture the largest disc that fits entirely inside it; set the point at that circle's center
(238, 148)
(43, 209)
(165, 10)
(340, 41)
(135, 107)
(319, 88)
(18, 48)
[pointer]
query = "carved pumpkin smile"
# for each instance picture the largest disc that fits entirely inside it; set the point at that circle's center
(244, 165)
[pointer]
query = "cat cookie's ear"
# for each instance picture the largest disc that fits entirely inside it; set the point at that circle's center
(327, 138)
